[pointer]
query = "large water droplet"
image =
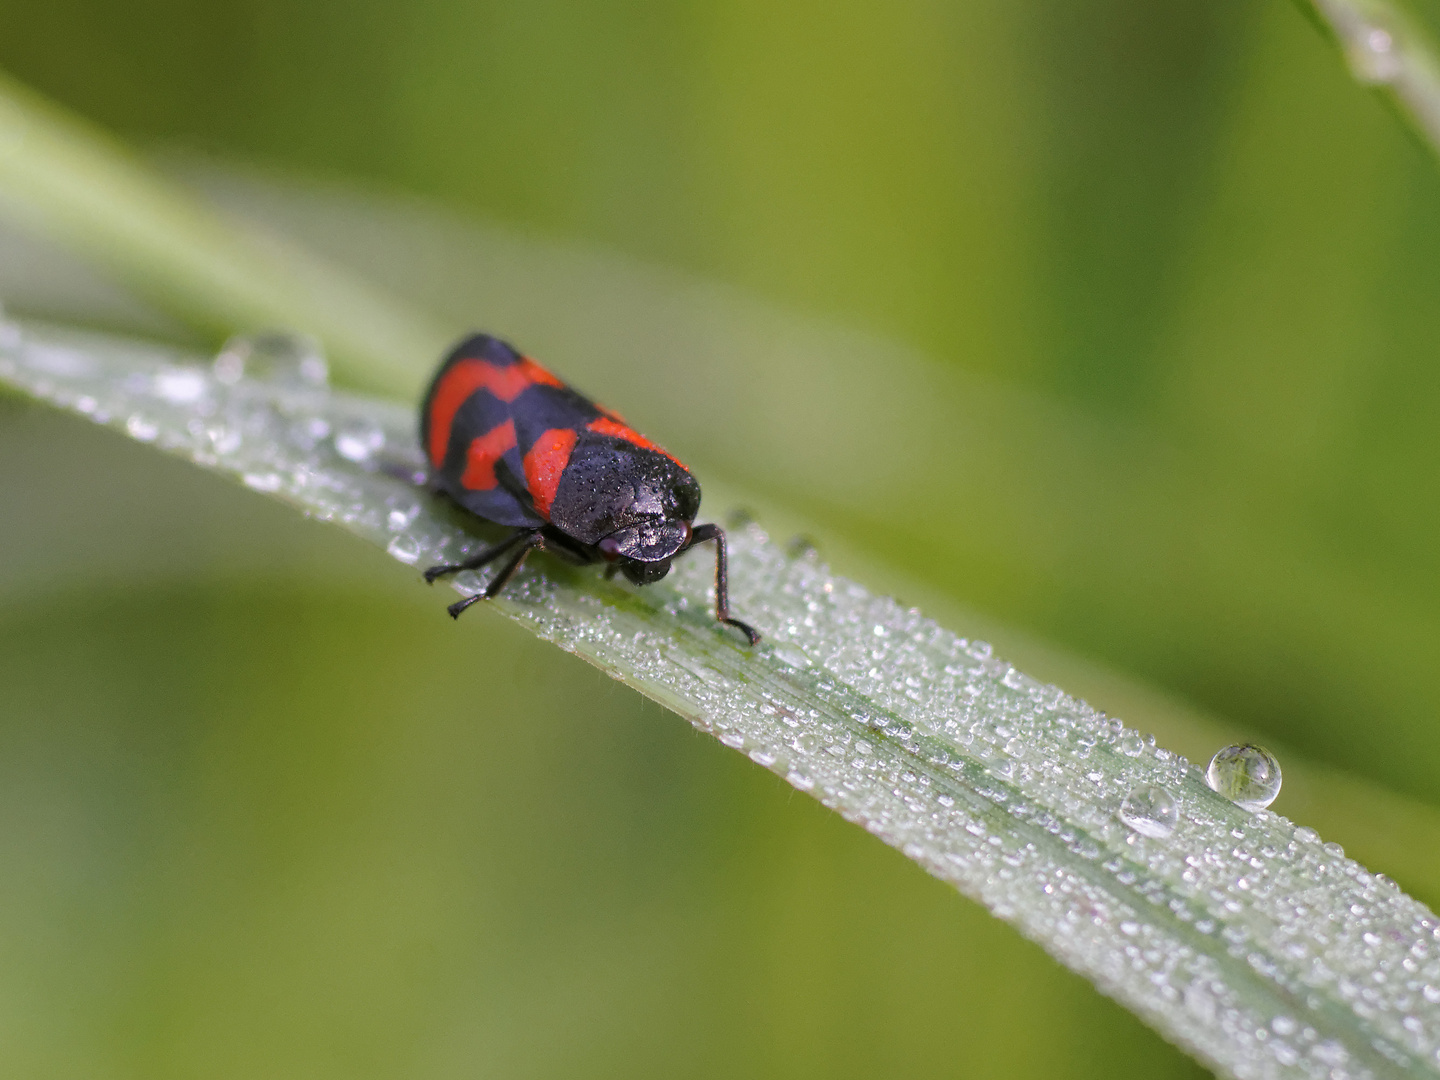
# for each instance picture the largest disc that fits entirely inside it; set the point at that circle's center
(291, 360)
(1150, 810)
(1247, 775)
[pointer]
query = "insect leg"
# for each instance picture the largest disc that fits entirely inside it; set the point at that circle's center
(478, 560)
(701, 534)
(533, 540)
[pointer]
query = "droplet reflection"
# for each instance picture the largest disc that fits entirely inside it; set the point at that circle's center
(359, 441)
(1247, 775)
(275, 356)
(1150, 810)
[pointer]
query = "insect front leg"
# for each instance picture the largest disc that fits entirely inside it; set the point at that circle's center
(700, 535)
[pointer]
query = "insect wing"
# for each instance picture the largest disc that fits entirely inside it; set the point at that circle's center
(549, 420)
(468, 431)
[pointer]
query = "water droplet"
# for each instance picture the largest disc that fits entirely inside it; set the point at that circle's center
(308, 432)
(406, 549)
(1247, 775)
(224, 440)
(789, 654)
(359, 441)
(1150, 810)
(275, 356)
(1200, 1002)
(799, 780)
(1374, 54)
(401, 519)
(267, 481)
(1130, 744)
(180, 385)
(138, 427)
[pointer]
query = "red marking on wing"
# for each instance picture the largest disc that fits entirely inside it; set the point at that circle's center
(544, 464)
(607, 425)
(537, 375)
(462, 379)
(484, 452)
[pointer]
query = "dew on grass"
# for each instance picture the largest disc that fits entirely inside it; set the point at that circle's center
(1150, 810)
(1251, 941)
(1247, 775)
(284, 359)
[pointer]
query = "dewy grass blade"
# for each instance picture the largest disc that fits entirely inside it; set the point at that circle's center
(1238, 935)
(620, 325)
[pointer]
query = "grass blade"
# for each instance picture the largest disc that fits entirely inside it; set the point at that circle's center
(67, 181)
(1385, 48)
(1238, 935)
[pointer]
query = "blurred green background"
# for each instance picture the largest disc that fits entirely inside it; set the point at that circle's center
(1157, 287)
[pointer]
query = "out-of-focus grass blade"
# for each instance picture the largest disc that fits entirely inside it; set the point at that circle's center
(62, 178)
(1385, 47)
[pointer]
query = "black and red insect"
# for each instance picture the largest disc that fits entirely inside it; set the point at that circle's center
(511, 443)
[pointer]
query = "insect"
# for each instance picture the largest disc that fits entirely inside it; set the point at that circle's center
(511, 443)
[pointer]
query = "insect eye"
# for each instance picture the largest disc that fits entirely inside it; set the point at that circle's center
(609, 548)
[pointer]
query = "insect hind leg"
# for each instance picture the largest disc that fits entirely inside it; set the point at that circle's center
(532, 541)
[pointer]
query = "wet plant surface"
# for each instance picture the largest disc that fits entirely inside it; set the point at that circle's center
(1250, 941)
